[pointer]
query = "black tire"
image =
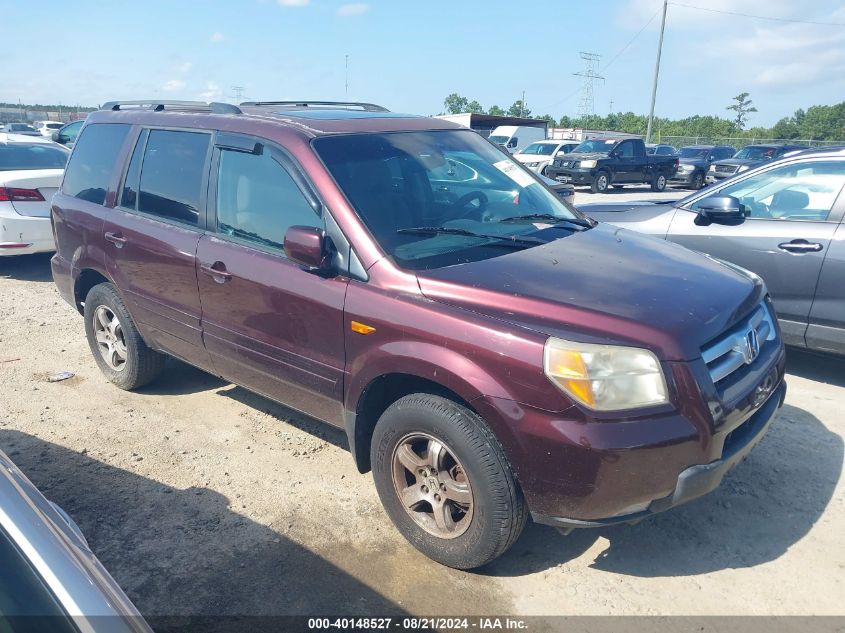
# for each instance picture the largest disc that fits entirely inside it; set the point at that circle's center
(499, 511)
(600, 183)
(697, 181)
(659, 183)
(141, 365)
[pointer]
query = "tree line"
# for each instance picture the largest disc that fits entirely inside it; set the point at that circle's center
(816, 123)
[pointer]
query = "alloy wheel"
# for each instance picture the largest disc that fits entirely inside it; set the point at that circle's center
(109, 336)
(432, 485)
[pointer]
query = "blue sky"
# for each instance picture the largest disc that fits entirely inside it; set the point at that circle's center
(408, 55)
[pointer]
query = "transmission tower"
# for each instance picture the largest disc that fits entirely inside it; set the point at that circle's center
(587, 105)
(237, 93)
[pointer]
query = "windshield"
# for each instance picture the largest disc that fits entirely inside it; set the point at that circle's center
(15, 156)
(601, 146)
(692, 152)
(19, 127)
(498, 140)
(54, 126)
(757, 153)
(544, 149)
(439, 198)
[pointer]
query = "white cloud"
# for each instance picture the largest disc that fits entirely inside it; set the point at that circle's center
(184, 67)
(354, 8)
(212, 92)
(173, 85)
(293, 3)
(216, 37)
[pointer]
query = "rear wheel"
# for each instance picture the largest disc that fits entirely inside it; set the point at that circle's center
(600, 183)
(445, 482)
(659, 183)
(115, 342)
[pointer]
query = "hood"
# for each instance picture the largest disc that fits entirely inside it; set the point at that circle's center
(605, 285)
(532, 158)
(739, 161)
(586, 155)
(641, 209)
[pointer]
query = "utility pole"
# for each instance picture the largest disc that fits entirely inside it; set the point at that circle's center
(610, 109)
(587, 105)
(522, 105)
(346, 84)
(656, 74)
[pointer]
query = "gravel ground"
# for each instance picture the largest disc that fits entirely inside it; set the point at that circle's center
(202, 498)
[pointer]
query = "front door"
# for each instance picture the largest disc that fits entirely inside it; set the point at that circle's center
(151, 238)
(791, 216)
(268, 324)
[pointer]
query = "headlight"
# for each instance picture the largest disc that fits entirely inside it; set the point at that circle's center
(605, 377)
(684, 167)
(742, 168)
(712, 168)
(534, 164)
(587, 164)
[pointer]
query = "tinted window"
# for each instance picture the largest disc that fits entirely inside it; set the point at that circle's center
(90, 167)
(801, 191)
(626, 149)
(129, 193)
(172, 175)
(257, 200)
(71, 131)
(35, 156)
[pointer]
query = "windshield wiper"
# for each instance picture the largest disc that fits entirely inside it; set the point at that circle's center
(504, 240)
(554, 219)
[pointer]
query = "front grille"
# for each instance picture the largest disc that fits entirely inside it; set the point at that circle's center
(740, 345)
(726, 169)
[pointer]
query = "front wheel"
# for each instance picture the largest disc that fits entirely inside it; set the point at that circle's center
(600, 183)
(117, 346)
(659, 183)
(697, 181)
(445, 482)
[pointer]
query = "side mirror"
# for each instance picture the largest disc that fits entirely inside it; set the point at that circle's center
(306, 246)
(512, 142)
(721, 209)
(55, 137)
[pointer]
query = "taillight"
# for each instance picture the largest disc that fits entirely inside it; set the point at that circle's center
(14, 194)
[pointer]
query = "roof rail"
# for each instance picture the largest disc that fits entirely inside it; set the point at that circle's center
(157, 105)
(367, 107)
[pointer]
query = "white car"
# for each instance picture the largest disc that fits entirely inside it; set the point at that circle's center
(46, 128)
(540, 154)
(31, 170)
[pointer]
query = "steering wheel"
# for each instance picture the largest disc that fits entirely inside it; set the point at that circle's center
(465, 199)
(758, 209)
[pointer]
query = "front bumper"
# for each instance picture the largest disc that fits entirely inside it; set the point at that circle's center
(581, 470)
(23, 235)
(695, 481)
(571, 176)
(682, 178)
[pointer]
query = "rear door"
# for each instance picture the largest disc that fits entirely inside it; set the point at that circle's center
(268, 324)
(151, 238)
(826, 329)
(792, 213)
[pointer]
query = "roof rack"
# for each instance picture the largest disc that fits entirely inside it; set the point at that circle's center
(157, 105)
(367, 107)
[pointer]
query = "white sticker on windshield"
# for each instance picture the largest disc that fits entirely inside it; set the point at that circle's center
(514, 173)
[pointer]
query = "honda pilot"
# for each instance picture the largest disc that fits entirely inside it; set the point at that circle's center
(491, 353)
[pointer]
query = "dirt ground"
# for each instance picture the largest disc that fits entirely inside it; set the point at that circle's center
(202, 498)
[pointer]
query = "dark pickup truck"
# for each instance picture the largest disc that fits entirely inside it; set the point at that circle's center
(605, 162)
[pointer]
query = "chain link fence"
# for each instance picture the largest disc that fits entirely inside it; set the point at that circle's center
(28, 115)
(739, 143)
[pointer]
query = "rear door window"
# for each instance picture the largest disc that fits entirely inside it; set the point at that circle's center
(257, 200)
(172, 172)
(95, 154)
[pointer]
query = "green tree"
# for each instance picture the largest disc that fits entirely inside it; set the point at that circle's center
(743, 107)
(455, 103)
(475, 107)
(496, 110)
(548, 118)
(565, 121)
(518, 109)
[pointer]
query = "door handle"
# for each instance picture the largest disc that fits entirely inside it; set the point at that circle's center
(800, 246)
(217, 271)
(115, 238)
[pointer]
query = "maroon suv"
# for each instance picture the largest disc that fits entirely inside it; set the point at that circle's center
(489, 351)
